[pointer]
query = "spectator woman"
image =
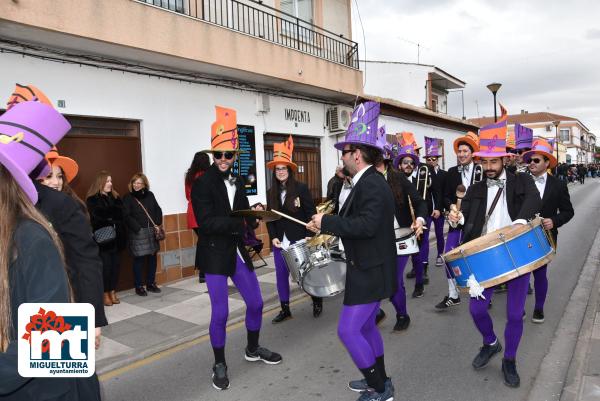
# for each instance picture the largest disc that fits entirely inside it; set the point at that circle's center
(199, 165)
(143, 217)
(63, 170)
(106, 210)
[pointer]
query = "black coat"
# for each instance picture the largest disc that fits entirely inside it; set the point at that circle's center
(366, 226)
(452, 180)
(432, 194)
(522, 198)
(439, 180)
(402, 211)
(81, 251)
(219, 233)
(37, 275)
(106, 210)
(135, 217)
(556, 203)
(293, 231)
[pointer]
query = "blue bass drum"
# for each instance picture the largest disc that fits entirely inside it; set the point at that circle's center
(501, 255)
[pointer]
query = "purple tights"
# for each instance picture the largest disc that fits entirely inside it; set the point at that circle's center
(439, 231)
(541, 286)
(452, 242)
(282, 274)
(359, 334)
(247, 284)
(515, 305)
(399, 297)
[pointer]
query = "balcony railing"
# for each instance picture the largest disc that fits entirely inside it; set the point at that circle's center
(267, 23)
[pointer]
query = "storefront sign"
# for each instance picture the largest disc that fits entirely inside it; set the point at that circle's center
(298, 116)
(245, 165)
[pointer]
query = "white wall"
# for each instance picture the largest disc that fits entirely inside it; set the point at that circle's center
(175, 116)
(403, 82)
(335, 17)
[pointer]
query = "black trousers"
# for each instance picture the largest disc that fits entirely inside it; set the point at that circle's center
(110, 269)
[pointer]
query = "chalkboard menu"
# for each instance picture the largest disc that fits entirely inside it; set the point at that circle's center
(245, 165)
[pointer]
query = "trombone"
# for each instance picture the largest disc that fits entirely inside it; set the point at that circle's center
(423, 179)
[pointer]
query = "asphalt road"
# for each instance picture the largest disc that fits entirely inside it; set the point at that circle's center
(430, 361)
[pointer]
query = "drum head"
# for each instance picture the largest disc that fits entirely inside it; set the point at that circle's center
(325, 281)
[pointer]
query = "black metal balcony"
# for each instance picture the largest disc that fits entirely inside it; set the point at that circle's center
(269, 24)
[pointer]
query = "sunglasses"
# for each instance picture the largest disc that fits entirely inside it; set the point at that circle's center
(536, 160)
(431, 159)
(347, 151)
(219, 155)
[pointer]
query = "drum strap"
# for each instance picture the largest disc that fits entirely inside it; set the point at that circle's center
(492, 207)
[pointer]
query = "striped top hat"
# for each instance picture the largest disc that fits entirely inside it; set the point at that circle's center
(492, 140)
(523, 137)
(470, 138)
(510, 141)
(28, 130)
(223, 132)
(542, 147)
(406, 138)
(363, 128)
(25, 93)
(282, 154)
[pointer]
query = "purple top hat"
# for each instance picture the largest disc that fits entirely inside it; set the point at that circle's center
(27, 132)
(363, 127)
(523, 137)
(432, 147)
(406, 151)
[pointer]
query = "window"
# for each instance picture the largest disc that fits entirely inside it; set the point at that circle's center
(302, 9)
(565, 135)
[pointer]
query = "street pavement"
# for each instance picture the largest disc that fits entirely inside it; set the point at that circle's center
(430, 361)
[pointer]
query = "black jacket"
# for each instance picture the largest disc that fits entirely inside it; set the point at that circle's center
(402, 211)
(366, 226)
(219, 233)
(106, 210)
(556, 203)
(135, 217)
(522, 198)
(37, 275)
(452, 180)
(81, 251)
(293, 231)
(439, 180)
(432, 194)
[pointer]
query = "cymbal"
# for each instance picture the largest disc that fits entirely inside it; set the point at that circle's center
(320, 239)
(265, 215)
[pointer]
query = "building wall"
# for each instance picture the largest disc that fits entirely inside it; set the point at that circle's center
(337, 17)
(405, 83)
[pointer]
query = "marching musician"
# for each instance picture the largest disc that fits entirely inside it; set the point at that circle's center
(432, 155)
(292, 198)
(556, 210)
(461, 174)
(407, 162)
(214, 196)
(499, 201)
(365, 226)
(402, 189)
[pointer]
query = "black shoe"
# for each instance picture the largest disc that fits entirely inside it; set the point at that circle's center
(402, 322)
(153, 288)
(485, 354)
(263, 354)
(419, 291)
(411, 274)
(380, 317)
(538, 316)
(201, 278)
(529, 290)
(425, 275)
(447, 302)
(284, 314)
(219, 376)
(317, 307)
(509, 369)
(141, 291)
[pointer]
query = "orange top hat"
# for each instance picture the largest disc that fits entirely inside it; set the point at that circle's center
(69, 166)
(282, 154)
(541, 146)
(511, 142)
(223, 132)
(25, 93)
(406, 138)
(470, 139)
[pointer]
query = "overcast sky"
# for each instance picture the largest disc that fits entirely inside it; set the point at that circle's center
(546, 53)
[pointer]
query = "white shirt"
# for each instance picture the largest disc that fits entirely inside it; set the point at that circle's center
(541, 186)
(466, 177)
(499, 217)
(344, 192)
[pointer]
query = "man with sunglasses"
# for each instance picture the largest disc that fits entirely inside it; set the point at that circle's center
(214, 196)
(556, 210)
(438, 176)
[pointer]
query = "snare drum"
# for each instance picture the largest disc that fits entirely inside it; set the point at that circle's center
(406, 241)
(501, 255)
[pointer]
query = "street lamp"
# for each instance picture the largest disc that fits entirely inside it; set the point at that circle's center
(556, 124)
(494, 88)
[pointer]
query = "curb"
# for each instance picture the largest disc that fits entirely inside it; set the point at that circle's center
(564, 358)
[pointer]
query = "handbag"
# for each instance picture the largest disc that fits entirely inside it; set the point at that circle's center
(143, 242)
(159, 232)
(105, 235)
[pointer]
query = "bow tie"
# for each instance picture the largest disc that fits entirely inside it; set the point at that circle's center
(541, 179)
(348, 185)
(464, 169)
(494, 183)
(232, 180)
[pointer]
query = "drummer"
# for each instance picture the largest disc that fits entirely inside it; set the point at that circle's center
(214, 196)
(292, 198)
(462, 174)
(406, 162)
(499, 201)
(402, 189)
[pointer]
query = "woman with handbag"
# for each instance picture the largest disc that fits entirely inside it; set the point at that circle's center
(144, 219)
(106, 216)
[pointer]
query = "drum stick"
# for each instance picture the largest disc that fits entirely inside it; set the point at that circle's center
(289, 217)
(460, 193)
(412, 213)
